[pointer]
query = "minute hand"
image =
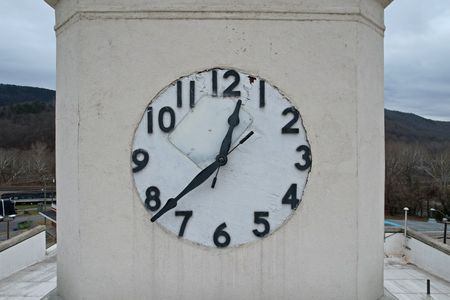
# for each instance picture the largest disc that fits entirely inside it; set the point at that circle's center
(233, 121)
(199, 179)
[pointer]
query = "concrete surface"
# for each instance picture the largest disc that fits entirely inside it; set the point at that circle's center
(113, 57)
(408, 282)
(421, 250)
(428, 257)
(31, 283)
(403, 281)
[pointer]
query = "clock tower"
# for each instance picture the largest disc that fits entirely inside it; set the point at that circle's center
(220, 150)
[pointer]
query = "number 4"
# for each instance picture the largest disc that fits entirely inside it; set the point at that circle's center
(291, 197)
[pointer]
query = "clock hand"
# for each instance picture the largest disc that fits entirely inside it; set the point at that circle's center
(233, 121)
(221, 160)
(213, 183)
(240, 143)
(199, 179)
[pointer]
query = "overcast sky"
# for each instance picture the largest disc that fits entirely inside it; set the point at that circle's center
(417, 52)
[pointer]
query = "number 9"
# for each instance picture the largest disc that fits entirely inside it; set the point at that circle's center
(140, 164)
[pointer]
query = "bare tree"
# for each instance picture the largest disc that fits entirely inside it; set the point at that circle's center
(17, 167)
(39, 161)
(437, 168)
(5, 165)
(402, 181)
(393, 171)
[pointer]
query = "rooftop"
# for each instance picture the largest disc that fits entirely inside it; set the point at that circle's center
(401, 280)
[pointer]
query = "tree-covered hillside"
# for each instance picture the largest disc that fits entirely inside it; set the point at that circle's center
(27, 116)
(14, 94)
(27, 135)
(411, 128)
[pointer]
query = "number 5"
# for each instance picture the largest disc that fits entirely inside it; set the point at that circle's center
(259, 215)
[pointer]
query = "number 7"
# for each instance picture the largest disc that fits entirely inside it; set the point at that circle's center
(187, 215)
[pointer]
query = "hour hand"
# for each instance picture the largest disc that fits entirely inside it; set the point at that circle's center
(199, 179)
(170, 204)
(233, 121)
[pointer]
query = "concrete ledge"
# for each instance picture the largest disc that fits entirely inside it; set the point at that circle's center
(387, 296)
(53, 295)
(392, 229)
(21, 237)
(68, 13)
(421, 237)
(429, 241)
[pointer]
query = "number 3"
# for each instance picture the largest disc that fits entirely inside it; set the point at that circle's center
(306, 157)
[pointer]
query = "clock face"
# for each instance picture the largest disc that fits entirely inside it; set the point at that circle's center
(220, 158)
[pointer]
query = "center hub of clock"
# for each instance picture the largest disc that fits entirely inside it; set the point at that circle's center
(222, 160)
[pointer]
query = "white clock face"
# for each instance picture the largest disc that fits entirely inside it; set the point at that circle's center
(183, 151)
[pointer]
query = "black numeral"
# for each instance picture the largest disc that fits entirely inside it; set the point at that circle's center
(191, 93)
(214, 83)
(179, 93)
(306, 157)
(228, 92)
(162, 126)
(187, 215)
(262, 93)
(291, 197)
(152, 201)
(165, 110)
(218, 233)
(140, 163)
(287, 128)
(259, 219)
(150, 120)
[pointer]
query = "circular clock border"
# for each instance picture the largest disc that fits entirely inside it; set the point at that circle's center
(254, 77)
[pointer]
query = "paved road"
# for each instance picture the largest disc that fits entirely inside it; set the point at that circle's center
(432, 229)
(419, 226)
(35, 219)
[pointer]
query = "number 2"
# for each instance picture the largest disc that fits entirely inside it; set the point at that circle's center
(288, 127)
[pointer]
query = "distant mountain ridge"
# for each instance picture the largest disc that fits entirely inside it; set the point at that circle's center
(399, 126)
(27, 117)
(15, 94)
(411, 128)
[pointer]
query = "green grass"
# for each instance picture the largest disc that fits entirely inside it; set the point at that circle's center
(29, 209)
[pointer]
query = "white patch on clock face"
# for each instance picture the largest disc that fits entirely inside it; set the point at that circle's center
(181, 133)
(206, 121)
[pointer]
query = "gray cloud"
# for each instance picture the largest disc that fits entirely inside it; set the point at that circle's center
(27, 48)
(417, 52)
(417, 57)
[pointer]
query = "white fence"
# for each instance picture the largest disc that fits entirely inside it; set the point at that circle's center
(421, 250)
(22, 251)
